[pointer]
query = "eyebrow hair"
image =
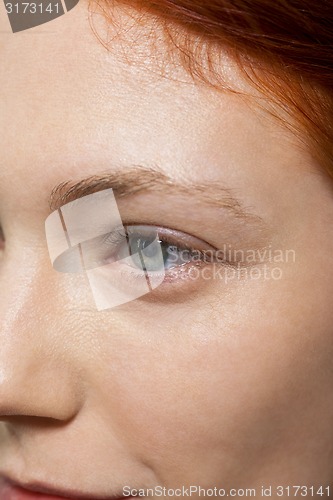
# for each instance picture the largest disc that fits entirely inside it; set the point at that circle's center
(138, 179)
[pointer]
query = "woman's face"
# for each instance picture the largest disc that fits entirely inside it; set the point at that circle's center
(220, 377)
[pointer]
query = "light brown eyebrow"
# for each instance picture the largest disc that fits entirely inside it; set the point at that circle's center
(138, 179)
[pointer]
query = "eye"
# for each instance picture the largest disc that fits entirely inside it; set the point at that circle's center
(167, 254)
(133, 260)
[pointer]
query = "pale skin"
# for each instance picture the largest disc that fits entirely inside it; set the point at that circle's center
(208, 383)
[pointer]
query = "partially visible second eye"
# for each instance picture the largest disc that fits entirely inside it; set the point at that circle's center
(2, 239)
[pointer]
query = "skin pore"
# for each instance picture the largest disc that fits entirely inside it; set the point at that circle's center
(204, 382)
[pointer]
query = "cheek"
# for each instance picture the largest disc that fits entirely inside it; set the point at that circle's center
(169, 408)
(203, 398)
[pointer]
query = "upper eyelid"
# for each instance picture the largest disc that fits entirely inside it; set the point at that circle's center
(170, 232)
(188, 242)
(120, 234)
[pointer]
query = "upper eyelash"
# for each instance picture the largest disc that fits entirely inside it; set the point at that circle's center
(116, 236)
(120, 233)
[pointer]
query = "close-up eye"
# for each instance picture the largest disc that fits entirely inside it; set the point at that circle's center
(133, 260)
(156, 249)
(122, 261)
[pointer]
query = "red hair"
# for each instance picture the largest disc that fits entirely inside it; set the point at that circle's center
(285, 47)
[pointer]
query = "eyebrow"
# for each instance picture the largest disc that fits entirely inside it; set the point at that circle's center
(139, 179)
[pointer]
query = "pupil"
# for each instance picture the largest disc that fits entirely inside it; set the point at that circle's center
(137, 243)
(147, 250)
(156, 256)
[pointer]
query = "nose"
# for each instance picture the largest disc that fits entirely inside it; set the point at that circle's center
(37, 375)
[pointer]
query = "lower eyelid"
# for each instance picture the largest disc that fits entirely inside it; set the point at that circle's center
(176, 287)
(177, 275)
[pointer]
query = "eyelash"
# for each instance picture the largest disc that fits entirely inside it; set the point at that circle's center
(119, 235)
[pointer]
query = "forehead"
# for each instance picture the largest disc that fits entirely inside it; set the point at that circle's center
(64, 67)
(72, 106)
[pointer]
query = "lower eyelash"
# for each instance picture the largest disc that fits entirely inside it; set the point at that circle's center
(170, 276)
